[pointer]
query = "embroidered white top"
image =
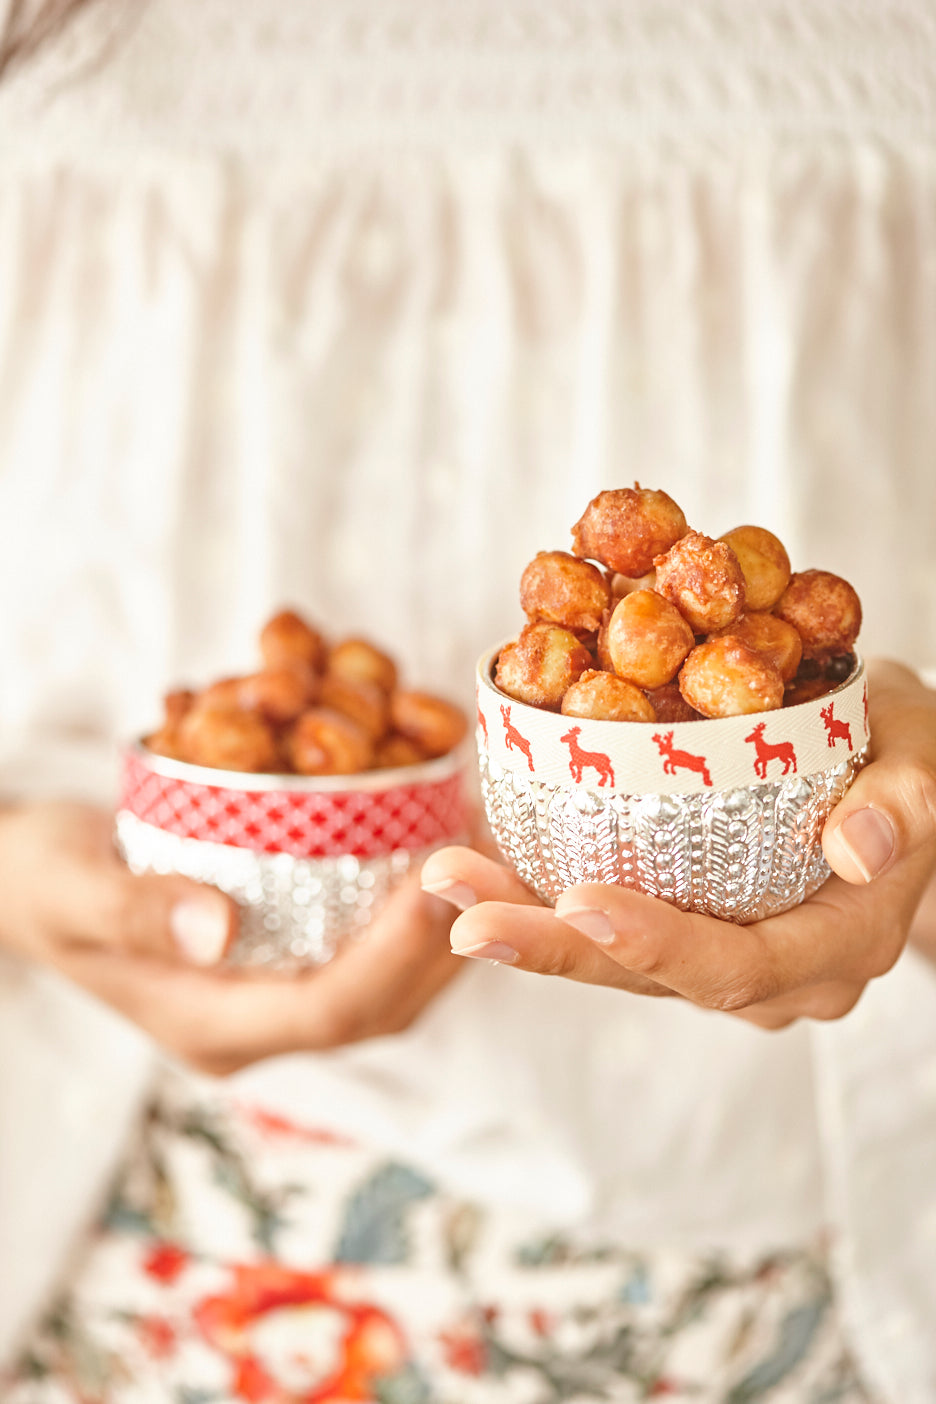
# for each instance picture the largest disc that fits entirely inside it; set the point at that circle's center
(300, 301)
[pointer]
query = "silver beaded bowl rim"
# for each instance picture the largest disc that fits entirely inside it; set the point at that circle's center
(489, 658)
(362, 782)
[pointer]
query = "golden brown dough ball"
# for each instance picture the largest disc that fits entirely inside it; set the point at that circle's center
(824, 610)
(287, 639)
(621, 585)
(604, 697)
(359, 661)
(228, 740)
(773, 637)
(541, 665)
(396, 750)
(669, 705)
(221, 696)
(724, 677)
(323, 742)
(703, 579)
(557, 588)
(364, 702)
(647, 639)
(279, 694)
(434, 725)
(625, 528)
(764, 564)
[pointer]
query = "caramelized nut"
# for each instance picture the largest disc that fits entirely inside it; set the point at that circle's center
(605, 697)
(541, 665)
(626, 528)
(287, 638)
(557, 588)
(703, 579)
(436, 726)
(647, 639)
(323, 742)
(764, 564)
(824, 610)
(726, 678)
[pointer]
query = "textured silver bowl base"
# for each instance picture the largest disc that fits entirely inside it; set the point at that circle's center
(739, 854)
(294, 911)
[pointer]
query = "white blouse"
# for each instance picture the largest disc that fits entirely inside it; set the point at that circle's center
(354, 308)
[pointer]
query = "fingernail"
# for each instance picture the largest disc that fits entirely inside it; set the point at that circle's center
(869, 837)
(458, 893)
(199, 926)
(592, 922)
(496, 951)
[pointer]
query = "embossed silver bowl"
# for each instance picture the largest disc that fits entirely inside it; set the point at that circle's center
(310, 860)
(723, 817)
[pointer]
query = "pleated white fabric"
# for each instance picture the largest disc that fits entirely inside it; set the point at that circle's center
(355, 309)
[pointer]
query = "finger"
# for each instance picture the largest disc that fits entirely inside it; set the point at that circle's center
(531, 938)
(465, 877)
(889, 813)
(220, 1022)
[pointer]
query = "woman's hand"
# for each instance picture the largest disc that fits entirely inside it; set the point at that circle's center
(813, 961)
(147, 945)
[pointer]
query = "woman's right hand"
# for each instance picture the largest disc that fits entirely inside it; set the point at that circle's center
(149, 947)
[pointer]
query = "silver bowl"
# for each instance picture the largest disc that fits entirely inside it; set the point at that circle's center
(723, 817)
(310, 860)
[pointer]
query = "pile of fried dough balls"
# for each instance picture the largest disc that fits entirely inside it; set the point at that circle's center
(313, 709)
(648, 621)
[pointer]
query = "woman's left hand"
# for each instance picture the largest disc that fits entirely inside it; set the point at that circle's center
(813, 961)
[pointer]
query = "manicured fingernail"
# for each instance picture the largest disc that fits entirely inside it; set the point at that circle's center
(496, 951)
(869, 837)
(199, 927)
(458, 893)
(592, 922)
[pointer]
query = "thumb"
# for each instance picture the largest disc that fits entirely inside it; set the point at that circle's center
(888, 816)
(166, 916)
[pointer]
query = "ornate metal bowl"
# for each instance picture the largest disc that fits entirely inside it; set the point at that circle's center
(723, 817)
(309, 859)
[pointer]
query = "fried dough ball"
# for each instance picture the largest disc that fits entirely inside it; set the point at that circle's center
(764, 564)
(228, 740)
(434, 725)
(621, 585)
(824, 610)
(626, 528)
(604, 697)
(647, 639)
(359, 661)
(287, 638)
(396, 750)
(323, 742)
(279, 694)
(703, 579)
(541, 665)
(669, 705)
(557, 588)
(364, 702)
(771, 636)
(724, 677)
(222, 696)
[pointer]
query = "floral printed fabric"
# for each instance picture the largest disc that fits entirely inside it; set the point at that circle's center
(245, 1258)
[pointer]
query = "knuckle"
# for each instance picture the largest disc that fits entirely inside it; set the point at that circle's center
(557, 960)
(732, 999)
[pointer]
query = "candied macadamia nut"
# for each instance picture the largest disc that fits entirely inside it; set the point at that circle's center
(541, 665)
(323, 742)
(434, 725)
(764, 564)
(396, 750)
(279, 694)
(557, 588)
(726, 678)
(626, 528)
(165, 742)
(702, 578)
(604, 697)
(824, 610)
(669, 705)
(773, 637)
(359, 661)
(228, 740)
(222, 696)
(647, 639)
(177, 704)
(621, 585)
(364, 702)
(287, 639)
